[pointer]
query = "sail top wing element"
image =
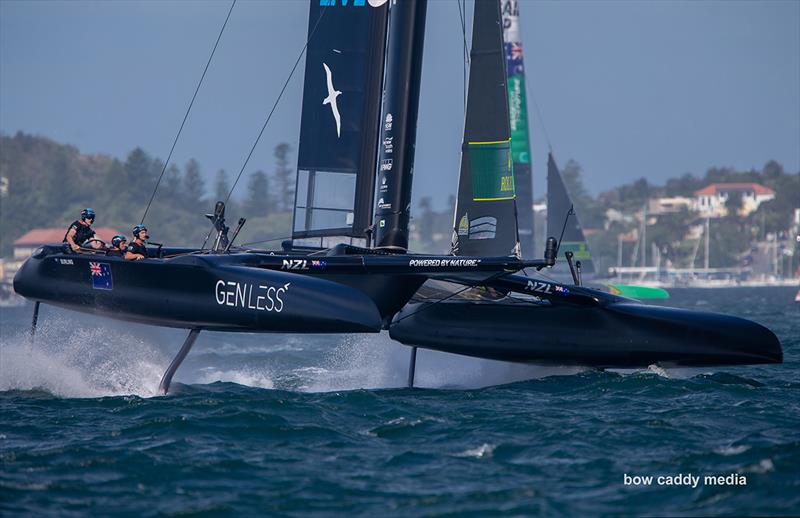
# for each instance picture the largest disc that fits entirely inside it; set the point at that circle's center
(339, 125)
(558, 204)
(486, 214)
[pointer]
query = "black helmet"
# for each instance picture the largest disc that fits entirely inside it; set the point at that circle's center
(116, 240)
(137, 229)
(87, 213)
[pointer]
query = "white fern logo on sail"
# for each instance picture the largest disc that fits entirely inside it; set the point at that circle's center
(331, 99)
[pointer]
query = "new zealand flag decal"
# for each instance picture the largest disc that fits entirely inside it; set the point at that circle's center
(101, 276)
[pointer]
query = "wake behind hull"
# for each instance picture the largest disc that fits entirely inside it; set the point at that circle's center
(621, 334)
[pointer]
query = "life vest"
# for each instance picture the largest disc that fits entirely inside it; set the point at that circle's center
(136, 248)
(82, 232)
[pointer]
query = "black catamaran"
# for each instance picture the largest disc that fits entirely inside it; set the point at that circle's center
(345, 271)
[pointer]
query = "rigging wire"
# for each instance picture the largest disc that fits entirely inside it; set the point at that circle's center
(269, 116)
(547, 277)
(462, 290)
(570, 212)
(189, 109)
(275, 105)
(461, 5)
(462, 13)
(465, 288)
(541, 122)
(265, 241)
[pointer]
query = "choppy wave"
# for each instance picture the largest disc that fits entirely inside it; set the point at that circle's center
(483, 451)
(80, 362)
(282, 425)
(68, 360)
(247, 377)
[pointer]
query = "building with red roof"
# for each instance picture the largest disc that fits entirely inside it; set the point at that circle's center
(710, 200)
(33, 239)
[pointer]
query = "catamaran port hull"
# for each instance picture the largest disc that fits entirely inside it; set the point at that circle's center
(617, 335)
(193, 292)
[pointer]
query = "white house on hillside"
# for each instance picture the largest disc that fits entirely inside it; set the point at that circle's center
(710, 200)
(669, 205)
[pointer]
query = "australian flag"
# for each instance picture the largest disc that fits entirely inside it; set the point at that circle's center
(514, 58)
(101, 276)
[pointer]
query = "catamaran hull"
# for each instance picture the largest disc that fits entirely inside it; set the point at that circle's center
(621, 334)
(194, 292)
(246, 293)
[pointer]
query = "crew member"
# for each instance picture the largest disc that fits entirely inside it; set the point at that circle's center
(137, 249)
(81, 230)
(119, 246)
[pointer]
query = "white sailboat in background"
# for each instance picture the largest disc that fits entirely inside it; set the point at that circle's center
(693, 276)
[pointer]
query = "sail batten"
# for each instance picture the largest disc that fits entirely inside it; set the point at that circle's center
(485, 218)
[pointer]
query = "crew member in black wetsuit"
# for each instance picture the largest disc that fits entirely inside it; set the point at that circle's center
(137, 250)
(119, 246)
(81, 230)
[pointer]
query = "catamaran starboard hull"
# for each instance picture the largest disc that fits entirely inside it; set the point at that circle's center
(617, 335)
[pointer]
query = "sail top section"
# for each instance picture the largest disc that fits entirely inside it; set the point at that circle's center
(486, 214)
(558, 205)
(518, 119)
(339, 124)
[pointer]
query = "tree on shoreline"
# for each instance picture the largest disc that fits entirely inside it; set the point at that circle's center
(48, 183)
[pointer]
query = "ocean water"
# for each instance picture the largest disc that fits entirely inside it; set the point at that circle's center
(320, 425)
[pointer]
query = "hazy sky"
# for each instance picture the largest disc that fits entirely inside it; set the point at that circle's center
(628, 89)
